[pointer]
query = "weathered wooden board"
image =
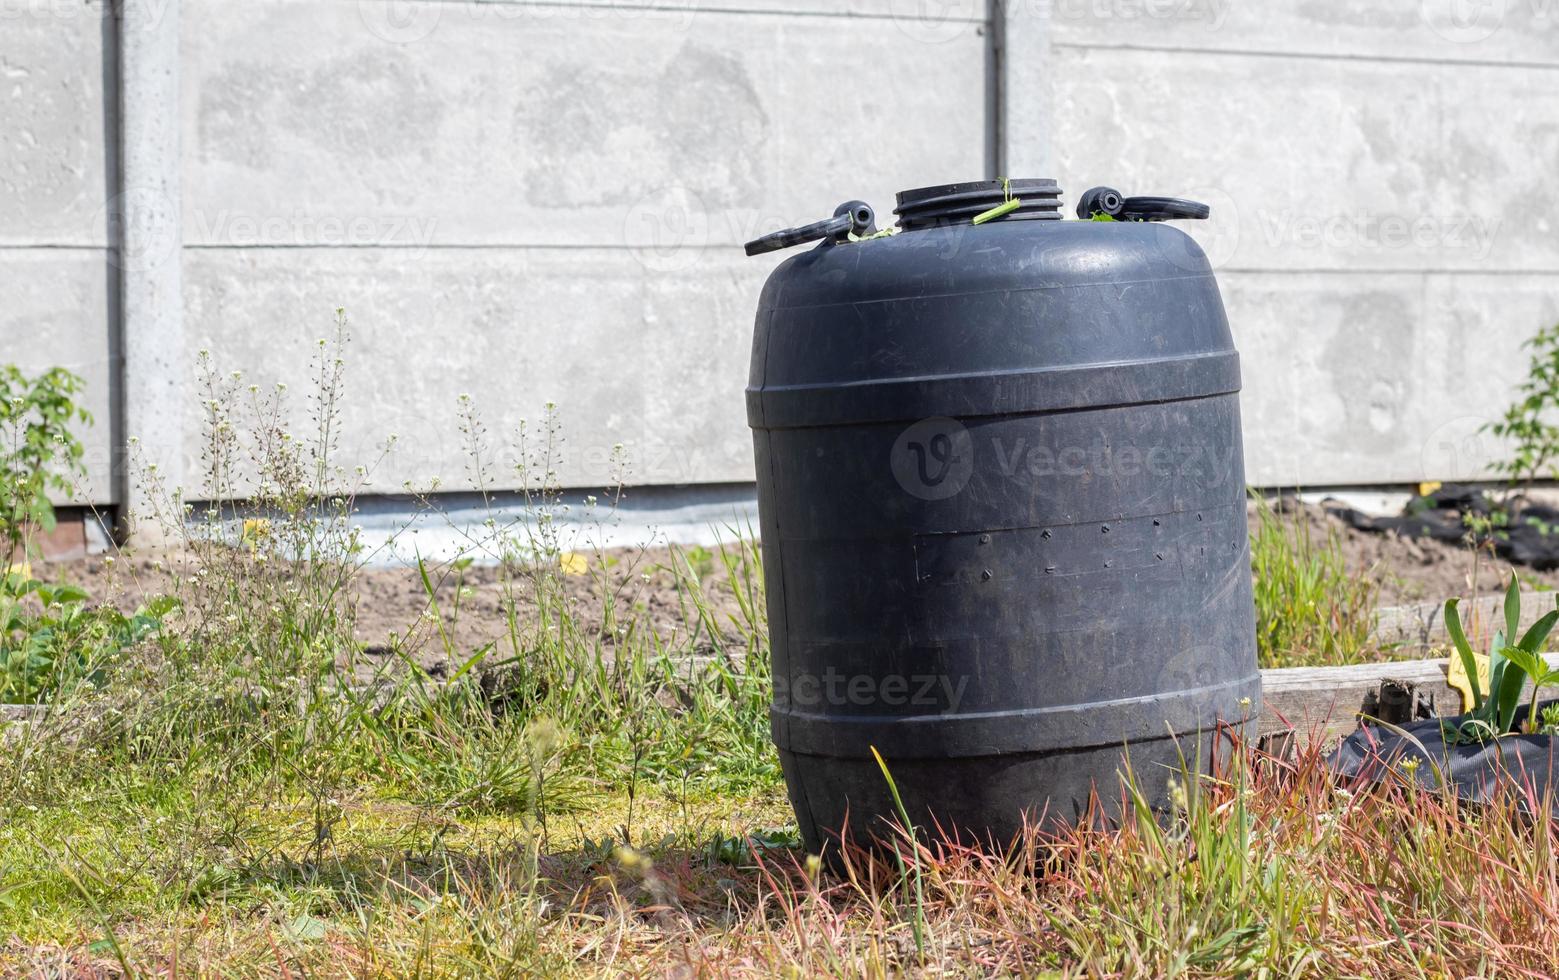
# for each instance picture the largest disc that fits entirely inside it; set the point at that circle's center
(1325, 702)
(1421, 627)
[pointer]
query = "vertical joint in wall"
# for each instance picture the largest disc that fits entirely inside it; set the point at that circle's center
(995, 90)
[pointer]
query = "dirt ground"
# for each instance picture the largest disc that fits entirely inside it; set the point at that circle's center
(471, 601)
(394, 606)
(1415, 570)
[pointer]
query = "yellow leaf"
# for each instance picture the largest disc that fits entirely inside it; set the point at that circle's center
(573, 563)
(1456, 677)
(1425, 489)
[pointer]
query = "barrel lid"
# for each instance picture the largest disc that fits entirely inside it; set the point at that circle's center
(924, 207)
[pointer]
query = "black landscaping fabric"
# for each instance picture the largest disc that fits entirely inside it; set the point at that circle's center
(1530, 535)
(1522, 764)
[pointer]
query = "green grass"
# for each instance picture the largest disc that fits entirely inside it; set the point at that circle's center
(1311, 609)
(595, 792)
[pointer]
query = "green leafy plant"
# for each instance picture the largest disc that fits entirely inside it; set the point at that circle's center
(1548, 720)
(1528, 421)
(52, 640)
(38, 451)
(1494, 712)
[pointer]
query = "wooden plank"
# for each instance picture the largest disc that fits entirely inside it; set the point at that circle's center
(1325, 702)
(1421, 627)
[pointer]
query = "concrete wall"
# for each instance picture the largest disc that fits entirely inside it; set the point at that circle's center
(534, 202)
(58, 282)
(1384, 213)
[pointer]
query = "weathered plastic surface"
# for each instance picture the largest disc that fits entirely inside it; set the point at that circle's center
(1519, 768)
(1001, 494)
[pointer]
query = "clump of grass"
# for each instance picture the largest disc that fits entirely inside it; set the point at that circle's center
(1311, 609)
(244, 792)
(250, 760)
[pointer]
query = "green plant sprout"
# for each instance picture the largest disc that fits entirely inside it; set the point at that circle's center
(1494, 714)
(1528, 421)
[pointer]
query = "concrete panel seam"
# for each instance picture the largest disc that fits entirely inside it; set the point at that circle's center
(1311, 55)
(700, 9)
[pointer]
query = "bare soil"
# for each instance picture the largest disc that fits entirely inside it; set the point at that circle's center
(466, 609)
(392, 603)
(1413, 570)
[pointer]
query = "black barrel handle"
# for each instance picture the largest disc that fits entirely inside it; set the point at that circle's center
(851, 217)
(1109, 201)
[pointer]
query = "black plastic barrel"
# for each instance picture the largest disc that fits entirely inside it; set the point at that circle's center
(1001, 498)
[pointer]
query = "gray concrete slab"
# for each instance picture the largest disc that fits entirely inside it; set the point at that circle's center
(655, 359)
(1440, 31)
(54, 145)
(513, 125)
(54, 311)
(1392, 378)
(1327, 164)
